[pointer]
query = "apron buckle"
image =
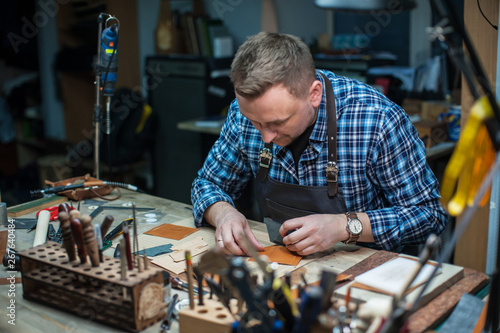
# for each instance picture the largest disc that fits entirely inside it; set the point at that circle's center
(332, 171)
(265, 157)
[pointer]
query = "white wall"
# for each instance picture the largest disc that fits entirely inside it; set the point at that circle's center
(420, 46)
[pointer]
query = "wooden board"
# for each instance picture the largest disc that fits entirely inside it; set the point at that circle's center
(35, 205)
(449, 275)
(436, 311)
(339, 261)
(375, 260)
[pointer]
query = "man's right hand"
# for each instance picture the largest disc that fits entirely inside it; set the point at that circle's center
(231, 229)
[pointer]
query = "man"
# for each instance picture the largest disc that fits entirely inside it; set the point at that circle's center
(330, 157)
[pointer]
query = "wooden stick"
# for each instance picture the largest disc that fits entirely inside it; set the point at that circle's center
(136, 237)
(123, 264)
(146, 260)
(123, 259)
(128, 251)
(189, 271)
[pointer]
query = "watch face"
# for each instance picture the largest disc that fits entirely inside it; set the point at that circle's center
(355, 226)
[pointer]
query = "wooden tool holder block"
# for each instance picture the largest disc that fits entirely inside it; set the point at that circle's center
(94, 293)
(210, 317)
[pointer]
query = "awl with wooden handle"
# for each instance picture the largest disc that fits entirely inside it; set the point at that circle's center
(68, 241)
(90, 240)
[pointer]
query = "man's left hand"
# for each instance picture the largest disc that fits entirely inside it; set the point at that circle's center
(314, 233)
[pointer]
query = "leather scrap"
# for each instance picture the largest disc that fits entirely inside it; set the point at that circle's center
(171, 231)
(156, 251)
(281, 255)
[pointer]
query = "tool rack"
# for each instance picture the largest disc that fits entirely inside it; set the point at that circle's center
(212, 316)
(94, 293)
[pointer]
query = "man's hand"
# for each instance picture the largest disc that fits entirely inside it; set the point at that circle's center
(314, 233)
(231, 229)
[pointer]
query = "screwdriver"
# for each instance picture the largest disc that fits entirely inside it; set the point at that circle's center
(107, 241)
(179, 285)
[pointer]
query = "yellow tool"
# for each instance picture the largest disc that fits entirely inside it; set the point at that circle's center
(473, 156)
(278, 284)
(486, 158)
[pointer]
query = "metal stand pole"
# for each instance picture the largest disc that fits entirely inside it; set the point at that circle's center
(97, 107)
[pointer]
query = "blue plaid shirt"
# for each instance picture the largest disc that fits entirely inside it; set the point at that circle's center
(382, 165)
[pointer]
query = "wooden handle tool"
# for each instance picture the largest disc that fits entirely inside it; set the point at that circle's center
(90, 240)
(74, 214)
(68, 242)
(76, 228)
(106, 224)
(64, 207)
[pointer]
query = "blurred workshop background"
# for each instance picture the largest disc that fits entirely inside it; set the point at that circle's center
(172, 87)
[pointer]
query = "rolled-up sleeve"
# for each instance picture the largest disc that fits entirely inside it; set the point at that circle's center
(225, 172)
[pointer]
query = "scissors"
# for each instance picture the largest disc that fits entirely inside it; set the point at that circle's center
(53, 235)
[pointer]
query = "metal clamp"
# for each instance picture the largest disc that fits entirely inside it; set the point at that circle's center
(332, 171)
(265, 157)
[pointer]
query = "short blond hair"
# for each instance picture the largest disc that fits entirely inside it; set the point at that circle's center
(269, 59)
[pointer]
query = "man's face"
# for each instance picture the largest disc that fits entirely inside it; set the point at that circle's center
(279, 116)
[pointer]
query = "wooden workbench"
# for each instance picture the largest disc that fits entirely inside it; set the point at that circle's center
(34, 317)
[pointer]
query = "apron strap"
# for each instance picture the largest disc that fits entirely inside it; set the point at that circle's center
(332, 168)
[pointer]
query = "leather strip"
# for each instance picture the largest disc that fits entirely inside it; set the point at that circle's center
(331, 115)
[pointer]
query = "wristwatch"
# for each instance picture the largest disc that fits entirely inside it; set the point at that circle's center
(354, 228)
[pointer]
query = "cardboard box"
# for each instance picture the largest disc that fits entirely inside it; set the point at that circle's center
(432, 109)
(432, 132)
(412, 106)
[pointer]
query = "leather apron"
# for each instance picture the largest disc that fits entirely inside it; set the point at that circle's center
(279, 202)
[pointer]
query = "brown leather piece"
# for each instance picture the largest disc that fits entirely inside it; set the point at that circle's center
(280, 254)
(171, 231)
